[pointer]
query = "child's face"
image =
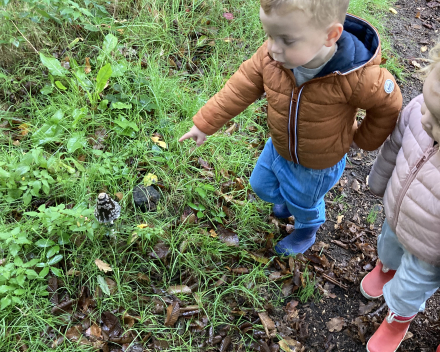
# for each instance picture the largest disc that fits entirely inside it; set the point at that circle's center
(294, 39)
(431, 106)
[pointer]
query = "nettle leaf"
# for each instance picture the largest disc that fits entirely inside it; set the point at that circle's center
(53, 65)
(21, 279)
(101, 79)
(103, 285)
(75, 142)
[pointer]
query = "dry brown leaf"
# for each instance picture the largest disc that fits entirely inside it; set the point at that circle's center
(73, 272)
(213, 234)
(119, 195)
(290, 345)
(24, 129)
(103, 266)
(172, 290)
(355, 185)
(275, 275)
(335, 324)
(94, 333)
(16, 143)
(87, 67)
(232, 129)
(268, 324)
(143, 277)
(228, 237)
(173, 312)
(366, 308)
(240, 270)
(415, 64)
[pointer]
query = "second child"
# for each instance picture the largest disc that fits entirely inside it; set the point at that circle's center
(317, 67)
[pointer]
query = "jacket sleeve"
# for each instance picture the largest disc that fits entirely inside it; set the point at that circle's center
(378, 93)
(241, 90)
(385, 162)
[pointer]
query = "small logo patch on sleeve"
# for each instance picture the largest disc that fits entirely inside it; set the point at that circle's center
(389, 86)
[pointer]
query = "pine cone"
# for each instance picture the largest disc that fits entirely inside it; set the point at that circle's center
(107, 210)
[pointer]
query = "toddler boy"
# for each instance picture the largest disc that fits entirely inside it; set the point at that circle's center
(317, 67)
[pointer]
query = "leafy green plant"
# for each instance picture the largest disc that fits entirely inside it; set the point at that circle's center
(307, 291)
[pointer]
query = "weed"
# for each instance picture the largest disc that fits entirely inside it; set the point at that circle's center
(372, 216)
(307, 291)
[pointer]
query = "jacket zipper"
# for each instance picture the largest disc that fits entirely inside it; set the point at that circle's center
(412, 175)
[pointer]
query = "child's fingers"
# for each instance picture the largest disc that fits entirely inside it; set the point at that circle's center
(185, 136)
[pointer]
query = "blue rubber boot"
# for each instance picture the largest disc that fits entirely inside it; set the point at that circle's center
(281, 211)
(297, 242)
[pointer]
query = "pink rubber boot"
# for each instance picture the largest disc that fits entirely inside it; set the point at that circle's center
(372, 284)
(390, 334)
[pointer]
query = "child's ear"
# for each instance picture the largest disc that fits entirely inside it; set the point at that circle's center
(334, 32)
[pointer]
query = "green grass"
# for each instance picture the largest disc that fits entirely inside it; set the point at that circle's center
(152, 36)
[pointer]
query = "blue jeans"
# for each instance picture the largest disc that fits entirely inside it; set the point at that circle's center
(415, 280)
(277, 180)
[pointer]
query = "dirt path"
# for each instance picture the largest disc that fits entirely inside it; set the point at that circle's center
(352, 238)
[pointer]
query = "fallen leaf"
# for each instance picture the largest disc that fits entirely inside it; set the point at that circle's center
(16, 143)
(366, 308)
(240, 270)
(275, 275)
(393, 11)
(228, 237)
(213, 234)
(143, 277)
(423, 49)
(268, 324)
(355, 185)
(160, 143)
(119, 195)
(160, 251)
(408, 335)
(87, 67)
(111, 285)
(232, 129)
(94, 332)
(73, 272)
(415, 64)
(290, 345)
(417, 15)
(150, 179)
(103, 266)
(204, 164)
(24, 129)
(259, 259)
(335, 324)
(142, 226)
(173, 312)
(172, 290)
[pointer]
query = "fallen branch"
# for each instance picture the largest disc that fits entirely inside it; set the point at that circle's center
(333, 281)
(25, 37)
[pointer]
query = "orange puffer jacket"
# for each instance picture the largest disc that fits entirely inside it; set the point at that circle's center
(314, 124)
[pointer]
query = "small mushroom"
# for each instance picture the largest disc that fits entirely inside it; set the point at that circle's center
(107, 210)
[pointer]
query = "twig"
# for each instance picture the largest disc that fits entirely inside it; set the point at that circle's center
(25, 37)
(380, 309)
(328, 278)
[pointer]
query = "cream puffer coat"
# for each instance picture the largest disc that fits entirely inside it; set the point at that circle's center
(407, 170)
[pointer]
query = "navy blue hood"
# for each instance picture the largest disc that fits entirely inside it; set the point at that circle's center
(358, 44)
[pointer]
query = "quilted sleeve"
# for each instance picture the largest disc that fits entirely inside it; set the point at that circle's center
(378, 93)
(385, 162)
(241, 90)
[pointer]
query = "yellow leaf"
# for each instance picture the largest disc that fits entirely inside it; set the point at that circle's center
(103, 266)
(159, 142)
(213, 234)
(149, 180)
(142, 226)
(162, 144)
(393, 11)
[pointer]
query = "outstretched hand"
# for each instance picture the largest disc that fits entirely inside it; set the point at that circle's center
(196, 135)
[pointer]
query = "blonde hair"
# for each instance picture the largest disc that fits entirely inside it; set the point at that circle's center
(434, 59)
(323, 11)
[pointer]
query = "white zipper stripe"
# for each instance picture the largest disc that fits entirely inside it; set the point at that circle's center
(296, 125)
(288, 125)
